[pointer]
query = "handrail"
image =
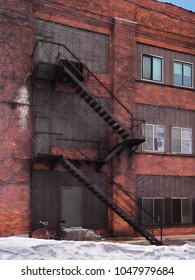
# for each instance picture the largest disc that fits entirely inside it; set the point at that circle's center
(64, 46)
(154, 226)
(117, 184)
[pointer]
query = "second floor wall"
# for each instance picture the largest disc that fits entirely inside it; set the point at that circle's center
(167, 130)
(64, 120)
(166, 67)
(91, 48)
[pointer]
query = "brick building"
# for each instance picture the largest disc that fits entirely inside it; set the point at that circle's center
(97, 104)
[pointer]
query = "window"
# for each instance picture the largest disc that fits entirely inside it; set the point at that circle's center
(182, 73)
(181, 211)
(152, 68)
(154, 211)
(182, 140)
(154, 138)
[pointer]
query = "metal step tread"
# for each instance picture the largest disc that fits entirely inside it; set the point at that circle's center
(109, 202)
(106, 115)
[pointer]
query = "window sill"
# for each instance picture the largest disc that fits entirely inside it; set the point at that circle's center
(164, 85)
(170, 225)
(165, 154)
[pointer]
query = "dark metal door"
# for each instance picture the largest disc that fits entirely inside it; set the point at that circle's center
(45, 198)
(71, 205)
(79, 206)
(59, 196)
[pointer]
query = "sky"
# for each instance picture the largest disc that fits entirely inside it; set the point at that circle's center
(186, 4)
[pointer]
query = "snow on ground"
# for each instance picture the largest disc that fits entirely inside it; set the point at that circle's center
(21, 248)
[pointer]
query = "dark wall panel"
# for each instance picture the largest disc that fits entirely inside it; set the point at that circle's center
(51, 189)
(92, 48)
(45, 198)
(71, 117)
(168, 57)
(165, 186)
(168, 117)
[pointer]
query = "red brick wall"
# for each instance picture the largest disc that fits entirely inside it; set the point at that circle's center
(15, 124)
(164, 165)
(155, 24)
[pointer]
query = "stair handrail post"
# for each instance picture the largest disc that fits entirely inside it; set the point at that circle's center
(119, 186)
(64, 46)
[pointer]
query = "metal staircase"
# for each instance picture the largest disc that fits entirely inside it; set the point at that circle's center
(74, 73)
(88, 97)
(68, 68)
(120, 201)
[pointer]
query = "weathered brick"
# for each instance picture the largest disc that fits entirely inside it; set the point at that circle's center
(146, 21)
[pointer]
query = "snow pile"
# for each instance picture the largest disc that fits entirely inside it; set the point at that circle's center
(20, 248)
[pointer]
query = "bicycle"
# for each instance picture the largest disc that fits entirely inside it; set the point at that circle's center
(42, 233)
(63, 233)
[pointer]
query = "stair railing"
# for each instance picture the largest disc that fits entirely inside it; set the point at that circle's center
(51, 52)
(123, 198)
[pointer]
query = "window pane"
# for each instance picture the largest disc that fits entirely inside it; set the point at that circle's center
(186, 211)
(176, 211)
(177, 73)
(159, 210)
(157, 69)
(147, 204)
(159, 137)
(186, 145)
(147, 68)
(148, 144)
(187, 79)
(176, 140)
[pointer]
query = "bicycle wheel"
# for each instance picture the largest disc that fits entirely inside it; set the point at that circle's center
(68, 234)
(41, 234)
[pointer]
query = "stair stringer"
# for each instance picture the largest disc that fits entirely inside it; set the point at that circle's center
(93, 187)
(103, 112)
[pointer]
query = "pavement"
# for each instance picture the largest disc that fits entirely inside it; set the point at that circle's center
(166, 240)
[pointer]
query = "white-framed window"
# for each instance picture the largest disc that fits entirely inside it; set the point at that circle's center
(182, 73)
(153, 211)
(181, 140)
(152, 68)
(154, 138)
(181, 211)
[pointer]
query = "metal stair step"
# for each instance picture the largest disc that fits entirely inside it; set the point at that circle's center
(93, 103)
(116, 127)
(98, 108)
(107, 118)
(79, 89)
(88, 98)
(77, 173)
(111, 122)
(103, 113)
(121, 131)
(83, 94)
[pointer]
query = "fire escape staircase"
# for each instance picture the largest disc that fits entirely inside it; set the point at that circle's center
(88, 97)
(67, 71)
(114, 202)
(71, 74)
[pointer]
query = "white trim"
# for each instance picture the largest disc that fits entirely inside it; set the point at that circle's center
(181, 212)
(181, 152)
(125, 20)
(192, 78)
(153, 126)
(162, 68)
(153, 213)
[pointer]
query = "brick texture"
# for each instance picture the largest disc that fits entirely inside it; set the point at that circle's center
(148, 22)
